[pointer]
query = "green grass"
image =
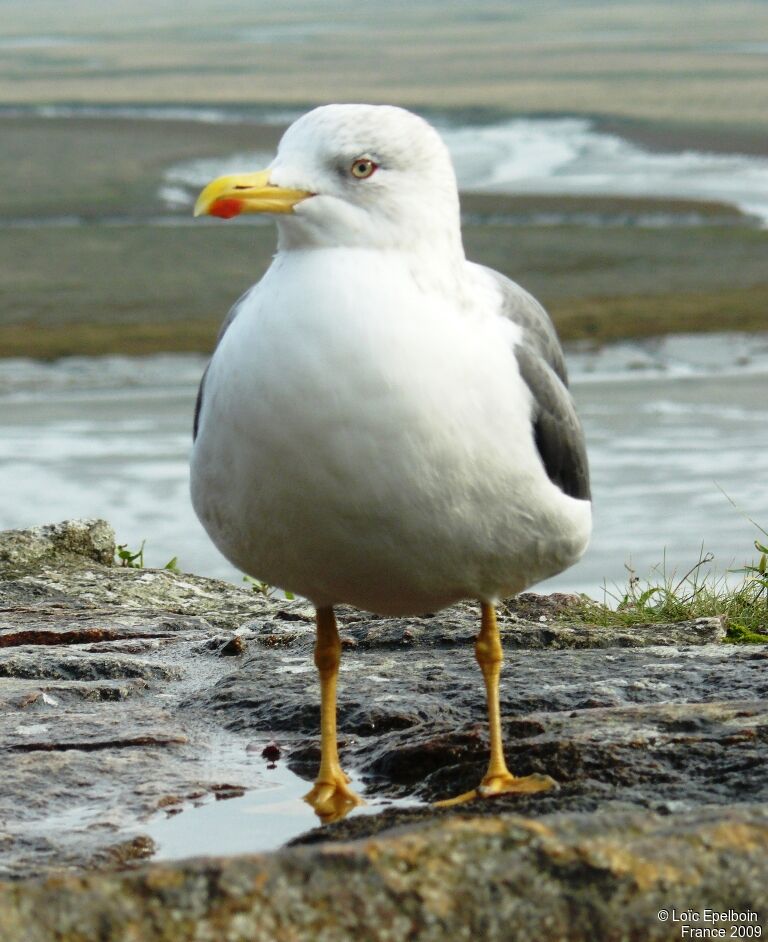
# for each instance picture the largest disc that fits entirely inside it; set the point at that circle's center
(127, 558)
(698, 593)
(267, 590)
(664, 598)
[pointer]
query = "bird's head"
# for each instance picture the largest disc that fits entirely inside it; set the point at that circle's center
(360, 176)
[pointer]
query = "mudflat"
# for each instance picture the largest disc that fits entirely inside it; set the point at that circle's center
(142, 289)
(85, 268)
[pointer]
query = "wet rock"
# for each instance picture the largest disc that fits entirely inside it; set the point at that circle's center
(412, 720)
(59, 625)
(115, 696)
(512, 878)
(94, 660)
(459, 626)
(29, 663)
(230, 645)
(58, 586)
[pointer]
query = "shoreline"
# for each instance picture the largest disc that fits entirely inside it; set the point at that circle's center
(595, 321)
(658, 135)
(137, 288)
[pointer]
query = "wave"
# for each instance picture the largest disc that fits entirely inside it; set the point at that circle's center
(544, 156)
(203, 114)
(569, 156)
(563, 157)
(672, 357)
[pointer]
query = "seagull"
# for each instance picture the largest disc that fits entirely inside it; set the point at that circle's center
(384, 423)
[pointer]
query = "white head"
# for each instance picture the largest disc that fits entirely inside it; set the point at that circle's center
(360, 176)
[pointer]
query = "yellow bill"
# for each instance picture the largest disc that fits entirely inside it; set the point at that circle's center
(246, 193)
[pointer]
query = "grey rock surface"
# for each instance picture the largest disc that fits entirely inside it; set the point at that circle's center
(117, 685)
(412, 719)
(506, 878)
(94, 661)
(90, 539)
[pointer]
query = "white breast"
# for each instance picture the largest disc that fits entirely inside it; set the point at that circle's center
(364, 439)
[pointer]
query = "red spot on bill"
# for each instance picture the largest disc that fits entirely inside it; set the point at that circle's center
(226, 208)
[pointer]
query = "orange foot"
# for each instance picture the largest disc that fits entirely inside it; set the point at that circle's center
(332, 798)
(503, 783)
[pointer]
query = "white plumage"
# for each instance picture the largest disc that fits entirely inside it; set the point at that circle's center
(365, 434)
(384, 423)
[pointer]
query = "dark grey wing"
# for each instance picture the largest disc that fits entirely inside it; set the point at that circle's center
(538, 330)
(556, 427)
(199, 404)
(233, 312)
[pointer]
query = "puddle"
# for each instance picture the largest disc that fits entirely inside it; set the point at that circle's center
(260, 820)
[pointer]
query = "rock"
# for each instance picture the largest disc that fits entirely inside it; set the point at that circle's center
(458, 626)
(90, 539)
(117, 685)
(507, 878)
(413, 721)
(79, 637)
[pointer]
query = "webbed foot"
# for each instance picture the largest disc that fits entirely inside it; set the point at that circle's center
(503, 783)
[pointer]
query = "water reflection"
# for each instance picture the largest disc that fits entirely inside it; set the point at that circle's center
(260, 820)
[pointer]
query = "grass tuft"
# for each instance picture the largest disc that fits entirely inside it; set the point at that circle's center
(699, 593)
(128, 558)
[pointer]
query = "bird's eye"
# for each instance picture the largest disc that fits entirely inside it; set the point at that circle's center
(362, 168)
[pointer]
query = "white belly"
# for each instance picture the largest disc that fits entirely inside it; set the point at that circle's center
(363, 441)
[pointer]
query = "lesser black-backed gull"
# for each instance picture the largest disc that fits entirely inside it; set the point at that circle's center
(384, 423)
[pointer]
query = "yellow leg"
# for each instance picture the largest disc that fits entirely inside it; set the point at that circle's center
(498, 779)
(331, 796)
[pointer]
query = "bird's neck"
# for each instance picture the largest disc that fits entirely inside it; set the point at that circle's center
(428, 236)
(427, 272)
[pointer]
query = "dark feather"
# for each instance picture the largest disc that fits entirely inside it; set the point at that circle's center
(233, 312)
(198, 405)
(538, 330)
(556, 427)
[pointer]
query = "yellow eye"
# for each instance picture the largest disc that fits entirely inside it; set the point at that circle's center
(362, 168)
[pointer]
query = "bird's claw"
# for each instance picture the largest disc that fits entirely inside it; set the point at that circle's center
(331, 797)
(503, 784)
(508, 784)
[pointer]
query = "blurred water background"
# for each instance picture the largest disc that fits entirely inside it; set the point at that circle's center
(528, 155)
(676, 431)
(651, 102)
